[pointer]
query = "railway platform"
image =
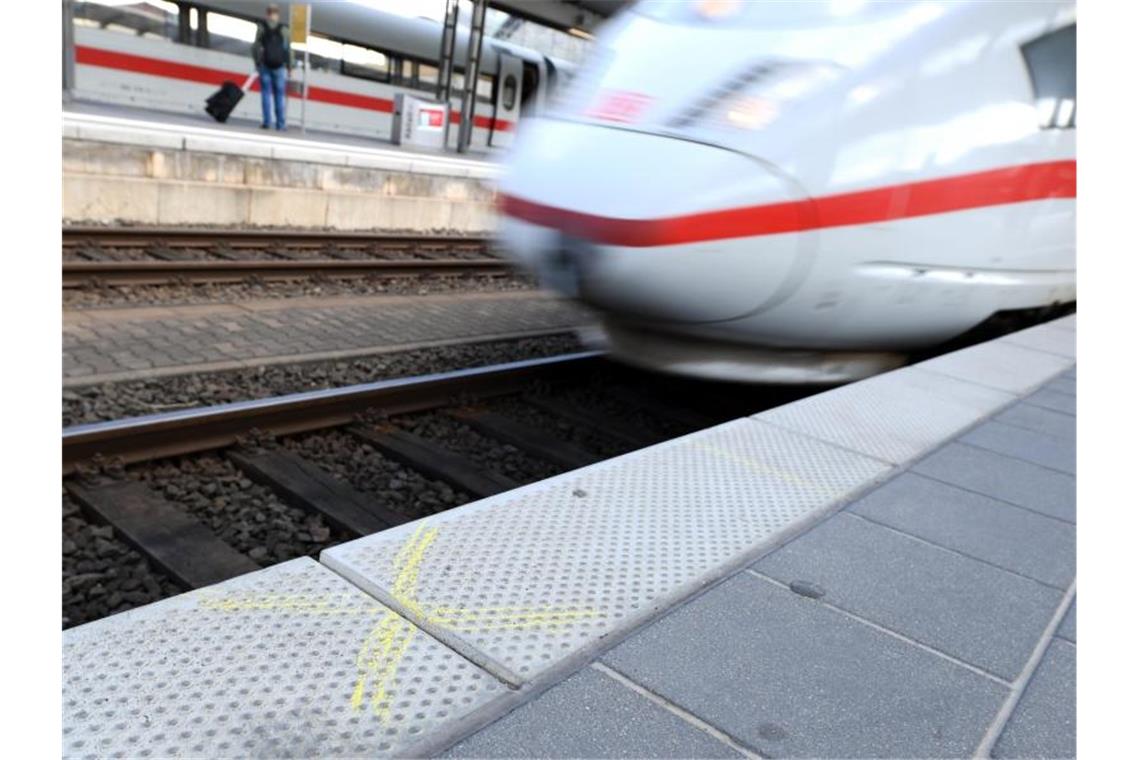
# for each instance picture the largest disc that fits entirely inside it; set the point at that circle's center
(136, 166)
(113, 344)
(882, 569)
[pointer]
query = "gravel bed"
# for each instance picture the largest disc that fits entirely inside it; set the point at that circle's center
(138, 397)
(478, 448)
(570, 432)
(96, 296)
(393, 485)
(245, 515)
(101, 574)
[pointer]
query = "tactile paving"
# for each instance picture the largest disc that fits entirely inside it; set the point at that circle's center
(520, 581)
(895, 417)
(292, 661)
(1057, 337)
(1004, 366)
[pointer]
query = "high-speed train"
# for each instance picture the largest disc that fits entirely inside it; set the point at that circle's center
(170, 56)
(805, 192)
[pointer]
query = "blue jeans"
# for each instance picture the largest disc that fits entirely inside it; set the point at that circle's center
(272, 82)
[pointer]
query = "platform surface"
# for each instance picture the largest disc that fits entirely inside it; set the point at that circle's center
(881, 570)
(139, 126)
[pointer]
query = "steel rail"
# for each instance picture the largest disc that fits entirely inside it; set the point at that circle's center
(138, 439)
(126, 237)
(79, 273)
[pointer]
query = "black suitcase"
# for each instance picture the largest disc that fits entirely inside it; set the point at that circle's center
(222, 103)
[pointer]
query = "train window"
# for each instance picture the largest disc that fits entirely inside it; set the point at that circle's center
(1052, 63)
(485, 89)
(229, 33)
(364, 62)
(510, 92)
(428, 76)
(153, 19)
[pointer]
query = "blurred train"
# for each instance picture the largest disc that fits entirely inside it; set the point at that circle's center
(805, 192)
(170, 56)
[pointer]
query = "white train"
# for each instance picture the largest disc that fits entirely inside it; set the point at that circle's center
(170, 56)
(805, 192)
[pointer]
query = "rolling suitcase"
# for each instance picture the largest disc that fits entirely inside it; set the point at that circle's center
(222, 103)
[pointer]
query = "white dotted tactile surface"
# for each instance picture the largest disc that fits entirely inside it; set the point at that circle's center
(895, 416)
(1004, 366)
(1056, 337)
(525, 579)
(292, 661)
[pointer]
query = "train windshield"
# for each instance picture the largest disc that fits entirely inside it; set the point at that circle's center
(779, 14)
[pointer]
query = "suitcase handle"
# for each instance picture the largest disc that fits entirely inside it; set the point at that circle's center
(249, 81)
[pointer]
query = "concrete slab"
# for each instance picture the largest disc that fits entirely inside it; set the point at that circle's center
(993, 531)
(1006, 478)
(969, 610)
(521, 581)
(1056, 337)
(1044, 723)
(790, 677)
(591, 715)
(1048, 451)
(1004, 366)
(1063, 384)
(1068, 627)
(1055, 400)
(1040, 420)
(291, 661)
(894, 417)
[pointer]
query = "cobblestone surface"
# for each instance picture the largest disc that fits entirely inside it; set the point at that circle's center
(119, 344)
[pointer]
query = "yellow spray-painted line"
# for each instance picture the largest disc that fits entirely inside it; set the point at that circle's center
(386, 645)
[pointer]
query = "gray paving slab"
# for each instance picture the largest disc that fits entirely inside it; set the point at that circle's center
(1044, 722)
(1066, 383)
(525, 579)
(994, 531)
(1014, 480)
(1057, 337)
(290, 661)
(970, 610)
(591, 715)
(1048, 451)
(787, 676)
(1040, 420)
(1068, 627)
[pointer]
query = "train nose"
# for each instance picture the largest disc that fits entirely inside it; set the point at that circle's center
(652, 226)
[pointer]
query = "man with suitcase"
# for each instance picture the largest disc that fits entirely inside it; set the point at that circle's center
(274, 59)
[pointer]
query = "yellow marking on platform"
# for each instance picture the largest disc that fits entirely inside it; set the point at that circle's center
(386, 645)
(763, 469)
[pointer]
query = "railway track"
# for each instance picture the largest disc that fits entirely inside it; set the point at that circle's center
(117, 256)
(264, 441)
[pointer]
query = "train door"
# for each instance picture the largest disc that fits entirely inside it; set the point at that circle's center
(507, 99)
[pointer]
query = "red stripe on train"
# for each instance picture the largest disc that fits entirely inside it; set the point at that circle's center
(1028, 182)
(139, 64)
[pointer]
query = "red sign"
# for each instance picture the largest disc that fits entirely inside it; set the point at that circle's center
(621, 106)
(431, 117)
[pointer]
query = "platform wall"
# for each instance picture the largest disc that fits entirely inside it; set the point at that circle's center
(177, 185)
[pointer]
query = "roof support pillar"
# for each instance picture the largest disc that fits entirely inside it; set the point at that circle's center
(447, 61)
(471, 74)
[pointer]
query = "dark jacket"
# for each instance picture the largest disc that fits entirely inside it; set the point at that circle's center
(259, 49)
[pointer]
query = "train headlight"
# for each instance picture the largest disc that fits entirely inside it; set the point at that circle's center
(756, 96)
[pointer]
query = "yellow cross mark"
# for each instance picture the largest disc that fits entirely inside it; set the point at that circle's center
(387, 643)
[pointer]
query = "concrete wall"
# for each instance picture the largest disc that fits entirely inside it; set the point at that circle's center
(164, 185)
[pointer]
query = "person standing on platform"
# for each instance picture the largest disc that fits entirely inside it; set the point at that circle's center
(274, 59)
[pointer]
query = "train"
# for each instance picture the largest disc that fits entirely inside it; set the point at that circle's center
(805, 192)
(170, 56)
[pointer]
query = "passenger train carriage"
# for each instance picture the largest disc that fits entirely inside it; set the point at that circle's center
(805, 192)
(170, 56)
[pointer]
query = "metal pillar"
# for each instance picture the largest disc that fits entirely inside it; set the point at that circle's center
(471, 75)
(68, 48)
(446, 62)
